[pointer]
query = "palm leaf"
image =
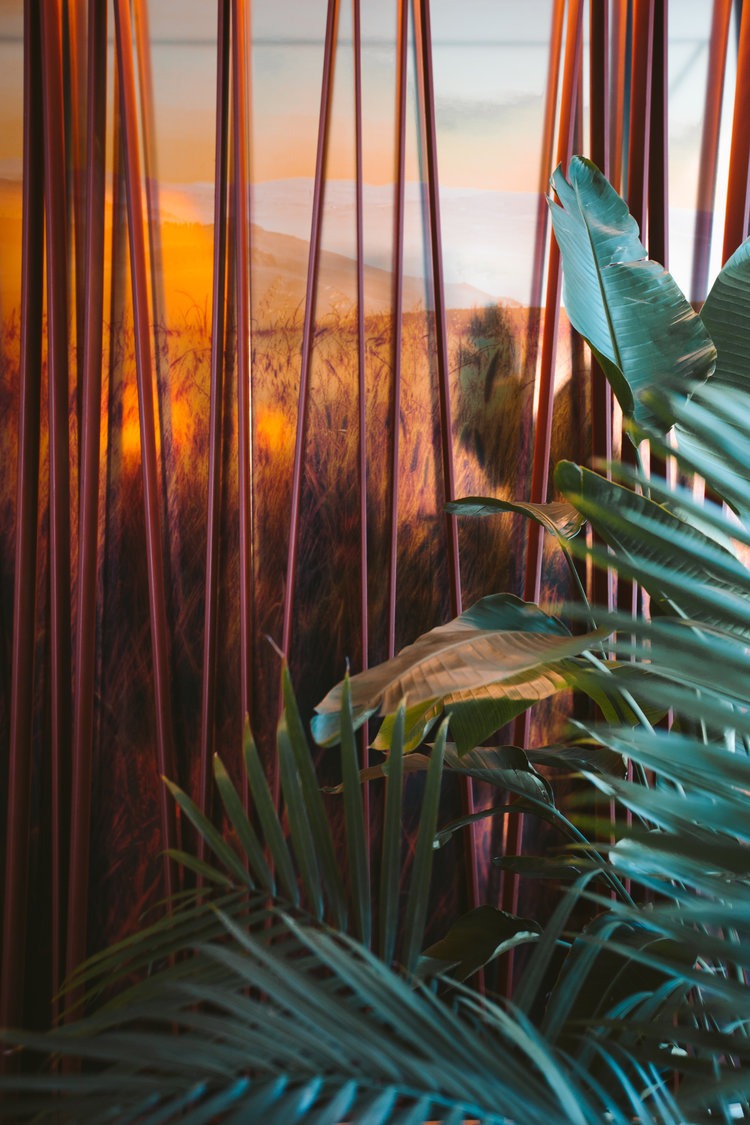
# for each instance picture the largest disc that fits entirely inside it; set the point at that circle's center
(634, 316)
(499, 657)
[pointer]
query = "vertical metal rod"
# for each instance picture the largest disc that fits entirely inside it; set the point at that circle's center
(738, 186)
(27, 500)
(424, 33)
(640, 112)
(218, 325)
(59, 490)
(242, 322)
(361, 371)
(545, 167)
(397, 310)
(307, 331)
(545, 393)
(423, 36)
(709, 154)
(546, 385)
(75, 10)
(639, 148)
(91, 391)
(157, 603)
(658, 178)
(618, 108)
(172, 546)
(601, 393)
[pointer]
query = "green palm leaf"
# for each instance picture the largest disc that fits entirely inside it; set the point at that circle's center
(486, 666)
(630, 310)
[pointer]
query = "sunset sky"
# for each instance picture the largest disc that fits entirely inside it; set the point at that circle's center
(490, 65)
(490, 73)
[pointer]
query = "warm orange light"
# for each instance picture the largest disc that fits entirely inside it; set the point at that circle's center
(274, 433)
(131, 432)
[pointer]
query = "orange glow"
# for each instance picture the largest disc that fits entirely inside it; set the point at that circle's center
(183, 423)
(131, 432)
(274, 433)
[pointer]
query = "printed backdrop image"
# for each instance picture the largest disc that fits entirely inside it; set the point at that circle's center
(349, 315)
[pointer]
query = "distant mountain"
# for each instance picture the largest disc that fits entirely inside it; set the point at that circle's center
(279, 280)
(487, 240)
(488, 237)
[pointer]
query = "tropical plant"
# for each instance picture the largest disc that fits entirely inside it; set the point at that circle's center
(279, 990)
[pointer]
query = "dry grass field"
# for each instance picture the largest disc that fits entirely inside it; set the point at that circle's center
(492, 362)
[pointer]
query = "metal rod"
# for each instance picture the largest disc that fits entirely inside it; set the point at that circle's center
(640, 112)
(546, 169)
(618, 110)
(362, 381)
(242, 322)
(423, 37)
(602, 587)
(326, 94)
(545, 390)
(27, 500)
(157, 603)
(709, 154)
(738, 186)
(91, 393)
(397, 312)
(658, 178)
(59, 489)
(546, 385)
(218, 326)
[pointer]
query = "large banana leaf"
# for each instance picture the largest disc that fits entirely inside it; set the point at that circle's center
(726, 315)
(629, 309)
(485, 667)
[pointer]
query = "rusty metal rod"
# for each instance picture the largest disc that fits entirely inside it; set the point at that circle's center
(27, 500)
(59, 467)
(218, 327)
(149, 469)
(91, 393)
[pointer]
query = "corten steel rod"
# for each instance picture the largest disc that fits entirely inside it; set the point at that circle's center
(513, 834)
(218, 328)
(658, 177)
(150, 171)
(27, 500)
(362, 382)
(738, 187)
(709, 154)
(173, 540)
(639, 146)
(546, 385)
(546, 169)
(602, 589)
(242, 323)
(423, 39)
(75, 12)
(157, 604)
(59, 482)
(91, 393)
(324, 119)
(599, 70)
(617, 107)
(362, 385)
(397, 310)
(423, 32)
